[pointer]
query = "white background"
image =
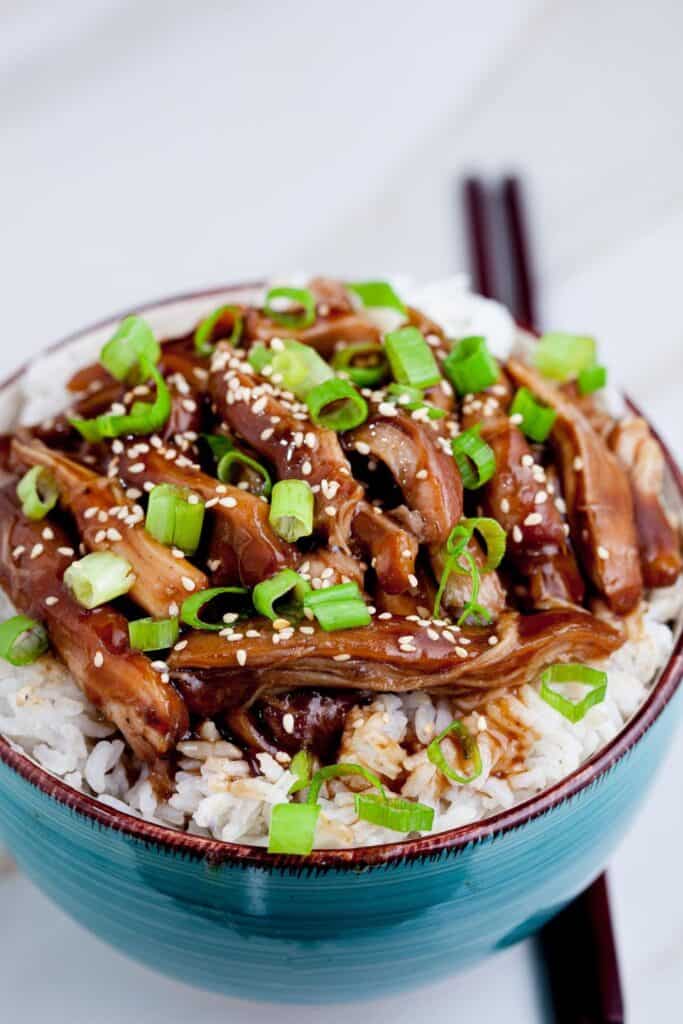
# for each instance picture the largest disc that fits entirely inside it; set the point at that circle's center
(147, 148)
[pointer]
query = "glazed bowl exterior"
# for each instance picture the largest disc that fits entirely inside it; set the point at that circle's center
(338, 925)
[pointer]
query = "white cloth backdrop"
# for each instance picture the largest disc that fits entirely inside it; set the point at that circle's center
(151, 147)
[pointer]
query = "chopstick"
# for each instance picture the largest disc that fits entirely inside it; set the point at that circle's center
(579, 942)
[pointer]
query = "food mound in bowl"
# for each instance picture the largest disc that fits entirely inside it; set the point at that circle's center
(331, 569)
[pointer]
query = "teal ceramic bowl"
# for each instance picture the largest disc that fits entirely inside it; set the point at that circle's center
(338, 925)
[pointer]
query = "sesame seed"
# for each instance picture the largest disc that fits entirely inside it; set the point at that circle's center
(288, 723)
(412, 579)
(137, 467)
(50, 601)
(330, 510)
(516, 418)
(37, 550)
(421, 474)
(181, 645)
(505, 506)
(48, 533)
(385, 616)
(18, 551)
(228, 502)
(342, 657)
(516, 534)
(533, 519)
(187, 583)
(461, 652)
(173, 609)
(267, 434)
(603, 552)
(540, 497)
(98, 659)
(113, 534)
(90, 512)
(362, 448)
(306, 468)
(527, 460)
(578, 464)
(281, 624)
(100, 536)
(493, 640)
(241, 656)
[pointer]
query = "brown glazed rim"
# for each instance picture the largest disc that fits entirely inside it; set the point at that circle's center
(218, 852)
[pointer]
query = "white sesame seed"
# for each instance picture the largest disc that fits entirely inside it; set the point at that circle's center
(527, 459)
(241, 656)
(50, 601)
(362, 448)
(90, 512)
(578, 464)
(187, 583)
(37, 550)
(342, 657)
(461, 652)
(267, 434)
(228, 502)
(540, 497)
(48, 533)
(281, 624)
(98, 659)
(516, 534)
(516, 418)
(288, 723)
(505, 506)
(113, 534)
(421, 474)
(18, 551)
(385, 616)
(603, 552)
(100, 536)
(306, 468)
(493, 640)
(181, 645)
(533, 519)
(412, 579)
(137, 467)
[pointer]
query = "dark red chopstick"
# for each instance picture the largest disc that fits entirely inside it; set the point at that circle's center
(577, 946)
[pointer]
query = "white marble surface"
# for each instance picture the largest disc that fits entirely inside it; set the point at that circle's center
(153, 147)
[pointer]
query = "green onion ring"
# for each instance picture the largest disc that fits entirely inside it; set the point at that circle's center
(470, 749)
(153, 634)
(561, 356)
(134, 340)
(411, 359)
(591, 379)
(38, 492)
(573, 673)
(470, 450)
(394, 813)
(204, 332)
(301, 296)
(98, 578)
(336, 405)
(233, 458)
(364, 375)
(470, 366)
(285, 582)
(143, 418)
(537, 420)
(377, 295)
(22, 640)
(192, 606)
(301, 765)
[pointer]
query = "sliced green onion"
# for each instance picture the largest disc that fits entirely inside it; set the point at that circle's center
(592, 379)
(302, 766)
(291, 509)
(336, 771)
(285, 583)
(153, 634)
(470, 366)
(133, 341)
(573, 673)
(338, 607)
(411, 359)
(470, 750)
(301, 297)
(22, 640)
(99, 577)
(292, 828)
(259, 356)
(204, 332)
(364, 363)
(175, 517)
(38, 492)
(394, 813)
(143, 418)
(562, 356)
(234, 458)
(537, 419)
(494, 538)
(298, 368)
(192, 607)
(219, 445)
(412, 399)
(377, 294)
(336, 405)
(475, 458)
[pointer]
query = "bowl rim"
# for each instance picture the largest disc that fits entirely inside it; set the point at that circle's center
(216, 851)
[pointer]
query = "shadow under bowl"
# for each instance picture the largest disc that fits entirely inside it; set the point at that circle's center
(338, 925)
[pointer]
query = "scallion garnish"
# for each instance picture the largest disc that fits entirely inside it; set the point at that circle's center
(364, 363)
(336, 405)
(537, 419)
(456, 552)
(22, 640)
(298, 368)
(302, 766)
(292, 828)
(259, 356)
(291, 509)
(38, 493)
(377, 295)
(284, 584)
(219, 445)
(234, 458)
(591, 379)
(394, 813)
(411, 359)
(143, 418)
(175, 517)
(470, 752)
(133, 341)
(574, 674)
(99, 577)
(338, 607)
(475, 458)
(470, 366)
(299, 297)
(153, 634)
(192, 606)
(407, 397)
(562, 356)
(204, 334)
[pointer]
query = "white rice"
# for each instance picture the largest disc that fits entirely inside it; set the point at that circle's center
(216, 792)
